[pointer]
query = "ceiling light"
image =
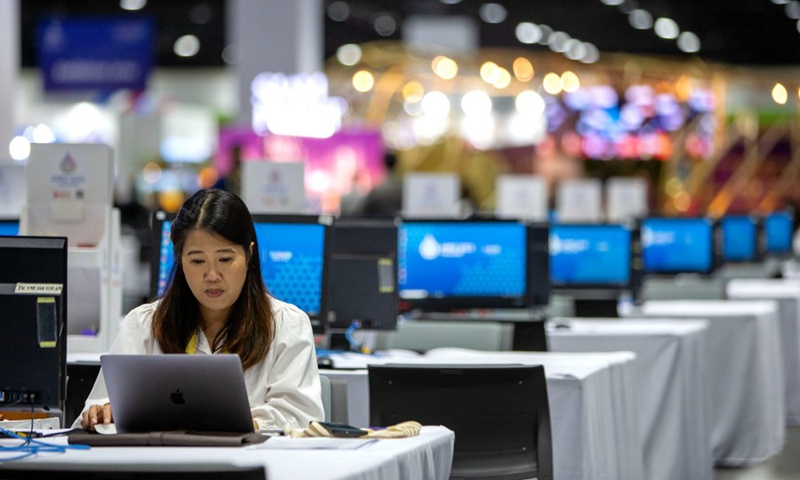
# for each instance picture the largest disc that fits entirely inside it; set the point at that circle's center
(558, 41)
(793, 9)
(186, 46)
(667, 28)
(339, 11)
(546, 32)
(575, 49)
(523, 69)
(640, 19)
(592, 53)
(492, 13)
(779, 94)
(385, 25)
(363, 81)
(349, 54)
(528, 32)
(552, 83)
(688, 42)
(132, 5)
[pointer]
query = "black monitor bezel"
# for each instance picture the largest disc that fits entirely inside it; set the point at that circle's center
(345, 253)
(716, 247)
(608, 291)
(451, 303)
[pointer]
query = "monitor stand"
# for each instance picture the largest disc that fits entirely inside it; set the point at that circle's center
(530, 336)
(606, 308)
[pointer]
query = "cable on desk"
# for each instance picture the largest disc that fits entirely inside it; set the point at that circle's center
(30, 446)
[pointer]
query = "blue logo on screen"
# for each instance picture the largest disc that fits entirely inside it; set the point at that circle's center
(461, 259)
(291, 257)
(739, 239)
(590, 255)
(673, 245)
(778, 230)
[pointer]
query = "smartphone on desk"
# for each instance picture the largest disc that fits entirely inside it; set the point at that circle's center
(343, 430)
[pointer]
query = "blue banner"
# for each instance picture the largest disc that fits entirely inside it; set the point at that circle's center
(99, 54)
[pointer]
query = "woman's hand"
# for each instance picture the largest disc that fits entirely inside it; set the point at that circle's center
(96, 414)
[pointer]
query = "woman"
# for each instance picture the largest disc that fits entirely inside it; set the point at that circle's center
(217, 303)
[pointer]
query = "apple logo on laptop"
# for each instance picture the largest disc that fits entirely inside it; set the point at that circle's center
(177, 397)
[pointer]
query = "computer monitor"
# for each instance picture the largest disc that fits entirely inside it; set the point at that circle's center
(778, 232)
(293, 251)
(33, 302)
(445, 265)
(595, 261)
(9, 228)
(363, 274)
(680, 245)
(741, 239)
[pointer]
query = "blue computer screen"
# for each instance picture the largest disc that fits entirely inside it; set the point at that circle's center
(461, 259)
(778, 230)
(739, 238)
(165, 257)
(291, 256)
(677, 245)
(9, 229)
(590, 255)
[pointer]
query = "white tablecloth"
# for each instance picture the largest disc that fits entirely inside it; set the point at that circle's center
(592, 398)
(671, 372)
(428, 456)
(787, 294)
(745, 375)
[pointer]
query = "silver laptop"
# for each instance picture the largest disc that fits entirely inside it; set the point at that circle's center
(156, 393)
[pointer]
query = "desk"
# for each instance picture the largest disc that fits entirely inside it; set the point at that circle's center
(592, 398)
(671, 368)
(787, 294)
(745, 375)
(428, 456)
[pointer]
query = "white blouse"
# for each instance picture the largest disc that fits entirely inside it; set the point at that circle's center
(283, 389)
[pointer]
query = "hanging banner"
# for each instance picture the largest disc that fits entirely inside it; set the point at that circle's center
(101, 54)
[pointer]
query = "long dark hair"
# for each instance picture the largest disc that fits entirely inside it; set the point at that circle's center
(250, 327)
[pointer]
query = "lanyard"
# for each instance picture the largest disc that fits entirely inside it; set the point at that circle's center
(191, 348)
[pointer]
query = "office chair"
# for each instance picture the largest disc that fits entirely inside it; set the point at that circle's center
(499, 414)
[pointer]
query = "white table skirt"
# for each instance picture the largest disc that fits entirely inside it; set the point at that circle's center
(671, 368)
(427, 456)
(787, 293)
(592, 400)
(745, 375)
